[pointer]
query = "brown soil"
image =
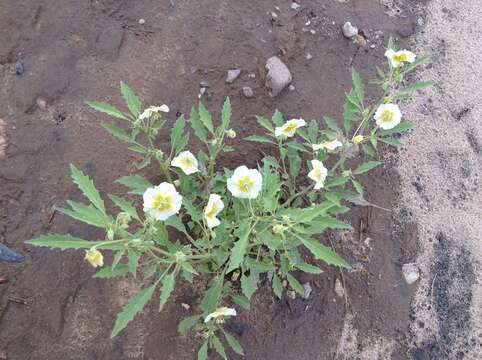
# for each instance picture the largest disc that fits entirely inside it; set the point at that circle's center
(80, 50)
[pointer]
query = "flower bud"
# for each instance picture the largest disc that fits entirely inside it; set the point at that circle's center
(177, 183)
(94, 257)
(278, 229)
(179, 257)
(110, 234)
(357, 139)
(231, 133)
(346, 173)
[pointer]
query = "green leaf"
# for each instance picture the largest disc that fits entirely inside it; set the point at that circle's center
(297, 146)
(358, 85)
(294, 161)
(235, 345)
(400, 128)
(125, 206)
(188, 323)
(277, 286)
(117, 132)
(86, 185)
(417, 86)
(203, 352)
(133, 307)
(197, 126)
(205, 118)
(108, 273)
(391, 141)
(308, 268)
(313, 130)
(259, 138)
(166, 290)
(176, 223)
(107, 109)
(332, 124)
(62, 242)
(239, 249)
(322, 252)
(295, 284)
(265, 123)
(249, 285)
(358, 187)
(226, 114)
(363, 168)
(138, 184)
(177, 132)
(133, 262)
(219, 347)
(133, 103)
(211, 297)
(409, 67)
(86, 213)
(241, 301)
(368, 149)
(138, 149)
(278, 118)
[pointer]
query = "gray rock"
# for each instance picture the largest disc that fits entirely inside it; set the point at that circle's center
(411, 273)
(232, 75)
(308, 290)
(248, 92)
(278, 77)
(19, 68)
(295, 6)
(349, 31)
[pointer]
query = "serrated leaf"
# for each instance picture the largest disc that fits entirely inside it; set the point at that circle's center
(219, 347)
(117, 132)
(63, 242)
(265, 123)
(133, 103)
(188, 323)
(277, 286)
(313, 130)
(363, 168)
(296, 146)
(226, 114)
(259, 138)
(107, 109)
(197, 126)
(400, 128)
(241, 301)
(177, 132)
(85, 213)
(133, 307)
(358, 85)
(294, 162)
(278, 118)
(368, 149)
(239, 249)
(167, 287)
(138, 184)
(248, 285)
(417, 86)
(138, 149)
(133, 262)
(295, 284)
(211, 297)
(176, 223)
(332, 124)
(206, 118)
(409, 67)
(233, 343)
(125, 206)
(108, 273)
(391, 141)
(86, 185)
(308, 268)
(322, 252)
(358, 187)
(203, 352)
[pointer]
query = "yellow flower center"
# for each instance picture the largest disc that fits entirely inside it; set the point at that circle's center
(400, 57)
(245, 184)
(211, 211)
(187, 162)
(162, 202)
(387, 116)
(317, 174)
(290, 128)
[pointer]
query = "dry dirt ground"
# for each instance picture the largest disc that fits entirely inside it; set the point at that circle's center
(80, 50)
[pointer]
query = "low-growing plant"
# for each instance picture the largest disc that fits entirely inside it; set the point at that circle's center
(233, 228)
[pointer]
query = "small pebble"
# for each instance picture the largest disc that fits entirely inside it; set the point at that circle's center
(186, 306)
(360, 40)
(373, 46)
(411, 273)
(349, 31)
(204, 84)
(291, 294)
(248, 92)
(19, 68)
(142, 21)
(252, 76)
(232, 75)
(309, 56)
(308, 23)
(291, 87)
(41, 103)
(274, 15)
(313, 32)
(339, 289)
(295, 6)
(308, 289)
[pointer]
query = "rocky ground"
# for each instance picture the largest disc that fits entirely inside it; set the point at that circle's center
(71, 51)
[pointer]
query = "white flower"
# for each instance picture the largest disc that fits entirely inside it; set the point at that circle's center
(222, 311)
(289, 128)
(245, 183)
(213, 208)
(153, 110)
(388, 116)
(318, 174)
(397, 58)
(94, 257)
(162, 201)
(328, 145)
(186, 162)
